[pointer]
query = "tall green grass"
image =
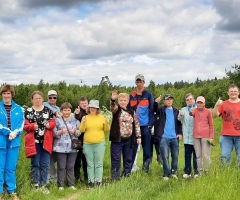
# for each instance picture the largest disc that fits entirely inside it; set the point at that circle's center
(217, 184)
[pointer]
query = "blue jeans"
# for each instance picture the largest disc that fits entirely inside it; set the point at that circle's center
(227, 144)
(40, 165)
(168, 145)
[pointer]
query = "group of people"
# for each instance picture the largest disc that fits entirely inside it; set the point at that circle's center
(137, 119)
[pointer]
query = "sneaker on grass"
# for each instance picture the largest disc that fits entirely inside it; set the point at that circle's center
(61, 188)
(44, 190)
(186, 175)
(165, 178)
(72, 187)
(90, 186)
(174, 176)
(135, 168)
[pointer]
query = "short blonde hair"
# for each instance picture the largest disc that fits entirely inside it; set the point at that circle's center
(123, 95)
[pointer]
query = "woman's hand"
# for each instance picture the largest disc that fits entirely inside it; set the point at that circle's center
(72, 131)
(47, 125)
(84, 119)
(114, 95)
(35, 126)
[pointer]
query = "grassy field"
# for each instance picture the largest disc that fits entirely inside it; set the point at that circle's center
(218, 184)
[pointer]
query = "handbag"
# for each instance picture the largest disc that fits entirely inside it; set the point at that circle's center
(76, 143)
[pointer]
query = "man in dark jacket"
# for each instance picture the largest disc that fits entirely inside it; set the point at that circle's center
(81, 111)
(169, 131)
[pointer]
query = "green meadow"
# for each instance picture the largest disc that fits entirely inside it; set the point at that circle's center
(219, 183)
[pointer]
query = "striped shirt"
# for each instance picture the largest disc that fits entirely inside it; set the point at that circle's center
(8, 109)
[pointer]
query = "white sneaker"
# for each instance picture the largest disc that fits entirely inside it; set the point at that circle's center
(165, 178)
(44, 190)
(186, 175)
(174, 176)
(72, 187)
(61, 188)
(196, 175)
(135, 168)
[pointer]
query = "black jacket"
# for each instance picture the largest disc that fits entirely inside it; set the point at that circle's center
(160, 122)
(115, 135)
(79, 117)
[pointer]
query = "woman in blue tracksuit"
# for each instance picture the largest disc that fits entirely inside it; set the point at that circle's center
(11, 126)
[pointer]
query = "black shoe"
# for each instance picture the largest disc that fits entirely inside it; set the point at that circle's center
(99, 184)
(90, 186)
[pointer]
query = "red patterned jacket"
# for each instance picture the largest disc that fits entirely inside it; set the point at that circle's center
(30, 147)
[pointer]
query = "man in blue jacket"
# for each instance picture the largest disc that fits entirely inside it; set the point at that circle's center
(11, 126)
(142, 101)
(169, 131)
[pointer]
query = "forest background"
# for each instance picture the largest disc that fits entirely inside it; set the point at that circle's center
(211, 89)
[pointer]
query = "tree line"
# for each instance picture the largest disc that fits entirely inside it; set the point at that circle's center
(211, 89)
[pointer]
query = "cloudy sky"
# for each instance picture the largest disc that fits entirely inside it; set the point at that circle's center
(80, 41)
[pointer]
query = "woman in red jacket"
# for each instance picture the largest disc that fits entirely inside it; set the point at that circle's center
(39, 124)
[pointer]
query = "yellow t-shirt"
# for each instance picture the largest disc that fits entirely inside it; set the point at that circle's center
(94, 129)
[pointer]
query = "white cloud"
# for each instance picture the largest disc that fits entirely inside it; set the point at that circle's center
(165, 41)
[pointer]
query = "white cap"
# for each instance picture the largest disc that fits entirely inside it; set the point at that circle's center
(52, 92)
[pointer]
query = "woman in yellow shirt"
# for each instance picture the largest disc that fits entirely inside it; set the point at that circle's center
(94, 126)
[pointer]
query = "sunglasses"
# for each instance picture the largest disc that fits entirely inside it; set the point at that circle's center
(52, 97)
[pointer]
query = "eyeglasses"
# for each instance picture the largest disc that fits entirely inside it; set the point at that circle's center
(52, 97)
(189, 99)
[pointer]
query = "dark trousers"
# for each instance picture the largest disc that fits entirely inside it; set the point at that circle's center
(189, 152)
(80, 162)
(65, 163)
(125, 149)
(156, 142)
(146, 146)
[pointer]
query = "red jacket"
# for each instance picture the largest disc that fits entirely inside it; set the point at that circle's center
(30, 139)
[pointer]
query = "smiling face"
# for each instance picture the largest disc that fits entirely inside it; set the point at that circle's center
(123, 102)
(92, 111)
(7, 97)
(233, 93)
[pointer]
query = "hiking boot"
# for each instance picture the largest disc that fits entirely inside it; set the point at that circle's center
(14, 196)
(90, 186)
